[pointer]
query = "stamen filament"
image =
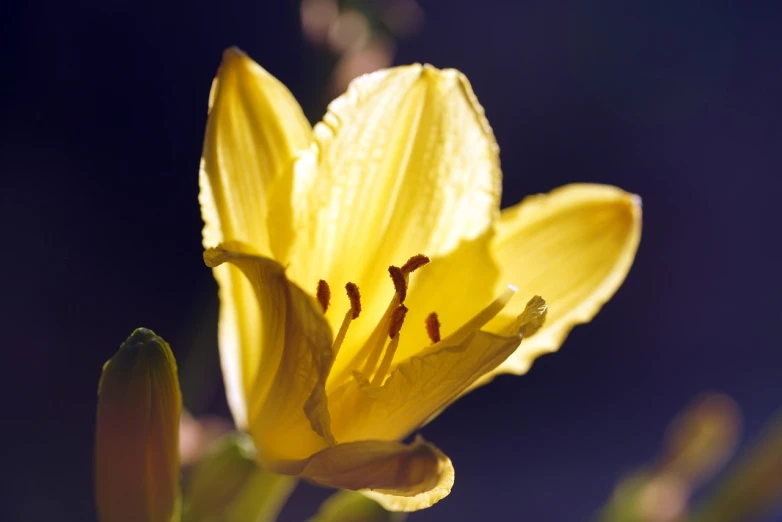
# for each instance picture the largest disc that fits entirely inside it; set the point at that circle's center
(374, 347)
(343, 330)
(385, 364)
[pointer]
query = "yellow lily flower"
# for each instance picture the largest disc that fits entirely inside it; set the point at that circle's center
(403, 169)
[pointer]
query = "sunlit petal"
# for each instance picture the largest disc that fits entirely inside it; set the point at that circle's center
(287, 411)
(253, 130)
(403, 163)
(574, 246)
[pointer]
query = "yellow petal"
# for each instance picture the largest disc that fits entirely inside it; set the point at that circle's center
(424, 385)
(574, 246)
(403, 163)
(254, 129)
(288, 416)
(398, 477)
(137, 435)
(252, 133)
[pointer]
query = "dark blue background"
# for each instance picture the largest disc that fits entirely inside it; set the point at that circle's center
(104, 107)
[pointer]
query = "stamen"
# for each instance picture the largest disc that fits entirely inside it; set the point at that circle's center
(369, 355)
(343, 330)
(400, 284)
(323, 294)
(397, 319)
(355, 299)
(433, 327)
(355, 309)
(373, 348)
(385, 365)
(414, 263)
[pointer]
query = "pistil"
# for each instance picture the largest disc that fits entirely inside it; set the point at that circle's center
(482, 317)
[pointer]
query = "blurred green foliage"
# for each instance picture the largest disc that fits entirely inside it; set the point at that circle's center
(697, 445)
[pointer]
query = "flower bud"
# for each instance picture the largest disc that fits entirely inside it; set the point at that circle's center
(137, 435)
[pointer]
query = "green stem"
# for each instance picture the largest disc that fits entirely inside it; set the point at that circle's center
(273, 491)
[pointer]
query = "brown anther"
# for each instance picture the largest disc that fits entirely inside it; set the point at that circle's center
(355, 299)
(398, 277)
(397, 319)
(433, 327)
(323, 294)
(414, 263)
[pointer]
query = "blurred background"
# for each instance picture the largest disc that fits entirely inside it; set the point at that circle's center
(104, 106)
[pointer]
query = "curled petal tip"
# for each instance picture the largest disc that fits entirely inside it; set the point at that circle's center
(215, 257)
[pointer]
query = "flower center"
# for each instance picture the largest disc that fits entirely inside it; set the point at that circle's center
(384, 339)
(373, 361)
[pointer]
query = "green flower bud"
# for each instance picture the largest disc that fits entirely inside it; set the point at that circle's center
(137, 435)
